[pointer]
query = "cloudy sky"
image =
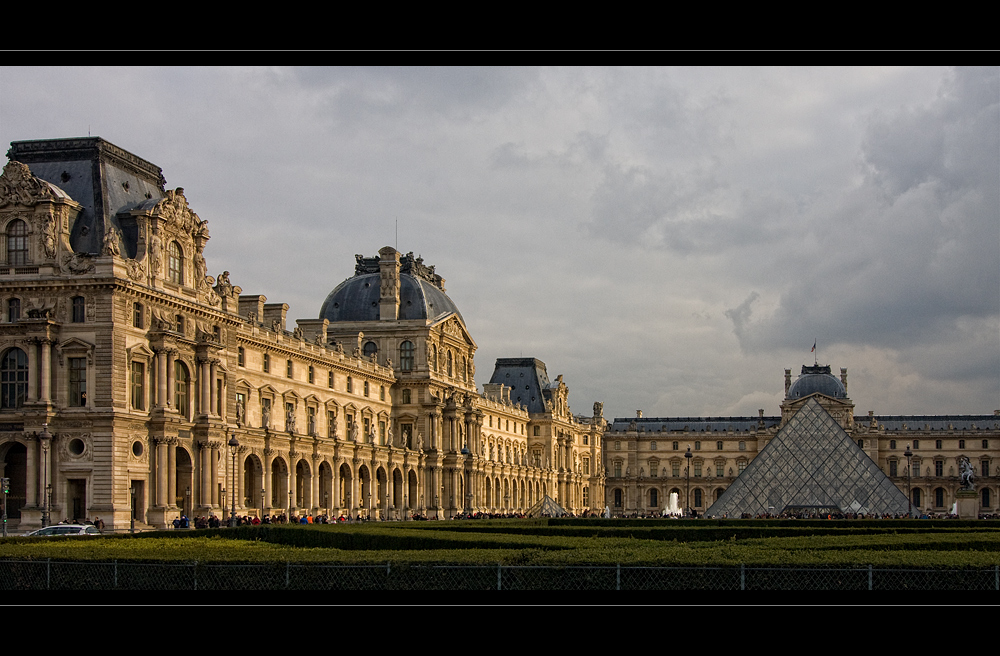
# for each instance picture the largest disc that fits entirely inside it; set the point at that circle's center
(669, 239)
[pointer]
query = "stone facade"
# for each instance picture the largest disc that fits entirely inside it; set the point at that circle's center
(646, 458)
(127, 369)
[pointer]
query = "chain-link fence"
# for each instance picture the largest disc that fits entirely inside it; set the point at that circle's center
(62, 575)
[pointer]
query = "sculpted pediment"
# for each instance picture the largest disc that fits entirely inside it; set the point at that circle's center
(19, 186)
(451, 325)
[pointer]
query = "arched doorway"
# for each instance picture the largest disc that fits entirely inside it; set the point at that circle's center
(303, 486)
(412, 493)
(381, 501)
(397, 489)
(279, 483)
(346, 481)
(15, 467)
(365, 491)
(184, 481)
(325, 487)
(253, 483)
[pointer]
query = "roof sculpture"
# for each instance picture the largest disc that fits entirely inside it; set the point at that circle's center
(811, 464)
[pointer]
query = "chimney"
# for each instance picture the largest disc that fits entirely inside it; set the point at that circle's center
(388, 266)
(788, 380)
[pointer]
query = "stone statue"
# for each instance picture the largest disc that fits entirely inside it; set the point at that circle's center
(406, 438)
(290, 420)
(388, 436)
(222, 286)
(598, 409)
(265, 415)
(372, 435)
(420, 441)
(49, 236)
(111, 242)
(966, 474)
(354, 432)
(154, 254)
(239, 413)
(297, 333)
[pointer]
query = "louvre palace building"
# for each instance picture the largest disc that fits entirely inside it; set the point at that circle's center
(136, 387)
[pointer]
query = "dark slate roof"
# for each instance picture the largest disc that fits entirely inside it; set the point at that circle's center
(357, 299)
(105, 179)
(934, 422)
(526, 377)
(817, 379)
(698, 424)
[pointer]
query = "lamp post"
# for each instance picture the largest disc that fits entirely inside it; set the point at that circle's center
(909, 493)
(234, 446)
(263, 491)
(187, 502)
(687, 501)
(44, 439)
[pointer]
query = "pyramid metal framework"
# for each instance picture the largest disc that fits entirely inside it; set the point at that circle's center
(811, 465)
(546, 507)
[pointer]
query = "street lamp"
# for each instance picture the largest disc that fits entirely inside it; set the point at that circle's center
(909, 493)
(263, 491)
(187, 505)
(687, 501)
(43, 439)
(234, 446)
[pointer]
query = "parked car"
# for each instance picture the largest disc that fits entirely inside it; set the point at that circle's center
(65, 529)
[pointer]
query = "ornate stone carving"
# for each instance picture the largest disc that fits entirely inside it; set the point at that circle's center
(136, 271)
(77, 263)
(110, 246)
(18, 185)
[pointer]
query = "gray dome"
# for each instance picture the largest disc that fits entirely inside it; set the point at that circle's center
(357, 299)
(817, 379)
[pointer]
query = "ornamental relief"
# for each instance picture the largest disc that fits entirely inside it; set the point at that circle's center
(75, 447)
(19, 185)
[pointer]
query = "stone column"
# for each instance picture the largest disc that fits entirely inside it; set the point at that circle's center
(34, 378)
(45, 379)
(214, 468)
(314, 493)
(171, 471)
(292, 481)
(204, 498)
(161, 472)
(213, 391)
(265, 479)
(206, 386)
(171, 402)
(161, 379)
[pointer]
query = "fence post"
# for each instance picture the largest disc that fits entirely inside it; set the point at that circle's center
(869, 578)
(743, 577)
(618, 578)
(498, 576)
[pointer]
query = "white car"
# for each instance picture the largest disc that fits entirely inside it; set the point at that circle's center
(66, 529)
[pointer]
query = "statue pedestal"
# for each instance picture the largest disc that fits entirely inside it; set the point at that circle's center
(968, 504)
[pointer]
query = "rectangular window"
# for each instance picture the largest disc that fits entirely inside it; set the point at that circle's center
(79, 309)
(381, 432)
(586, 439)
(937, 444)
(218, 396)
(720, 469)
(241, 357)
(916, 444)
(329, 380)
(586, 496)
(138, 385)
(288, 369)
(311, 420)
(78, 382)
(14, 310)
(137, 317)
(367, 427)
(537, 431)
(350, 385)
(961, 444)
(312, 374)
(675, 469)
(697, 470)
(893, 468)
(916, 469)
(267, 363)
(985, 469)
(618, 469)
(618, 446)
(740, 466)
(938, 468)
(366, 388)
(586, 466)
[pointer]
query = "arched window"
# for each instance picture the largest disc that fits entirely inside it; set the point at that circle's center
(370, 349)
(465, 369)
(986, 497)
(939, 497)
(406, 356)
(434, 358)
(618, 498)
(13, 378)
(182, 387)
(654, 498)
(175, 263)
(449, 364)
(17, 243)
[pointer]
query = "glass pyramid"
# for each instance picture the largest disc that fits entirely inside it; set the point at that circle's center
(811, 465)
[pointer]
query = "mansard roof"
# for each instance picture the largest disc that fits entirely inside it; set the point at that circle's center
(104, 179)
(526, 377)
(693, 424)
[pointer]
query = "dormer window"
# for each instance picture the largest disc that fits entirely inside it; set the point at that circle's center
(175, 263)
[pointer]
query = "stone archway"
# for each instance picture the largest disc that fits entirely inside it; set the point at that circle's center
(303, 486)
(184, 481)
(253, 483)
(412, 489)
(381, 500)
(326, 500)
(365, 502)
(397, 490)
(279, 484)
(346, 482)
(15, 467)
